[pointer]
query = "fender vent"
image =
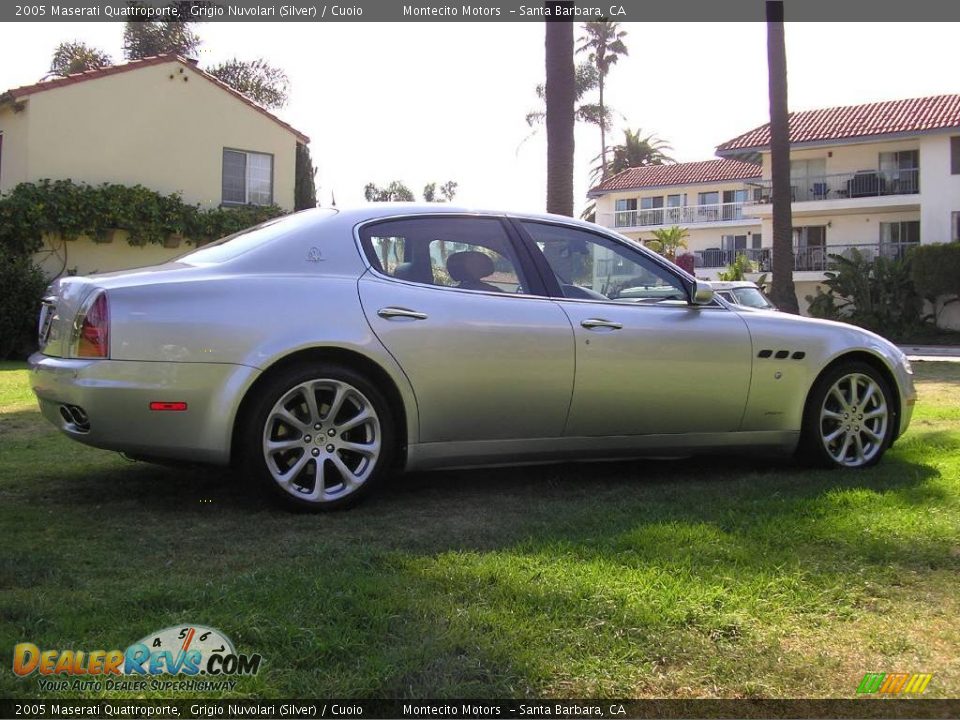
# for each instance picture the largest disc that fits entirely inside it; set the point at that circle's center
(782, 354)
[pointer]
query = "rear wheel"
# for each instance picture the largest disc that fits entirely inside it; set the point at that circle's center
(849, 419)
(319, 437)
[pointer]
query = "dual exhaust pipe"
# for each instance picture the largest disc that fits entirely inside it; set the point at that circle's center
(75, 417)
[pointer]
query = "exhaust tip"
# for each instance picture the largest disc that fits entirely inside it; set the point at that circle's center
(75, 418)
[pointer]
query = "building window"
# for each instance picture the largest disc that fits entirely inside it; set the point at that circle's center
(900, 172)
(708, 198)
(955, 224)
(756, 241)
(808, 179)
(651, 210)
(648, 203)
(626, 215)
(955, 155)
(734, 242)
(896, 233)
(247, 178)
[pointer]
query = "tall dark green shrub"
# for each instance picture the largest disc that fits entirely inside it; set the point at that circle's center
(304, 189)
(23, 284)
(936, 273)
(877, 294)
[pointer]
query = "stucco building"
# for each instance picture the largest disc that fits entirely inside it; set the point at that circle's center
(160, 122)
(879, 177)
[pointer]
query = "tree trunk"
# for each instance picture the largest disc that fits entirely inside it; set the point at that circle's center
(603, 135)
(560, 97)
(783, 293)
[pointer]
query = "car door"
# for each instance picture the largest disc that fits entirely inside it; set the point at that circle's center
(648, 361)
(488, 356)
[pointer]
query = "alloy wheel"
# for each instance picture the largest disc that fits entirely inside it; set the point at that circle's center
(322, 440)
(853, 420)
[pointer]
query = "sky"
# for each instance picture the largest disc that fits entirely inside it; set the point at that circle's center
(423, 102)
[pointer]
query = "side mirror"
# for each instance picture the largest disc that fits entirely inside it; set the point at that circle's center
(701, 293)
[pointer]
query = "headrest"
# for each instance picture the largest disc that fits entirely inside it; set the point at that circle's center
(469, 265)
(405, 271)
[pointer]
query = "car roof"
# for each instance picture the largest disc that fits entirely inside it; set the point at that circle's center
(374, 210)
(733, 284)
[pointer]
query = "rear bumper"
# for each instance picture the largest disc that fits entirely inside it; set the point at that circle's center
(115, 396)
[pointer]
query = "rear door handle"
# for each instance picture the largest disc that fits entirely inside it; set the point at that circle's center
(390, 313)
(600, 323)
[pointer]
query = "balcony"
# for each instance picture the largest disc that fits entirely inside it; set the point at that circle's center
(688, 215)
(815, 258)
(862, 184)
(818, 258)
(720, 258)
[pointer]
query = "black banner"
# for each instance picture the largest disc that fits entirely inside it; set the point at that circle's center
(473, 11)
(479, 709)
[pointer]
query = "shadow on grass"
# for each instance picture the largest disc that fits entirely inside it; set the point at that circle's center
(564, 579)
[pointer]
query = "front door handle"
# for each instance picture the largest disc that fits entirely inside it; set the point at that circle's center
(599, 323)
(389, 313)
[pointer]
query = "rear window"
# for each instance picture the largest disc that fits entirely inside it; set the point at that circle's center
(246, 240)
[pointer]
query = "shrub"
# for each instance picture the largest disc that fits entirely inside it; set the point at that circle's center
(738, 269)
(688, 262)
(875, 294)
(936, 274)
(671, 240)
(23, 284)
(304, 187)
(72, 209)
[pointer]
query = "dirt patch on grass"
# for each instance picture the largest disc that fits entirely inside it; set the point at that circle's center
(23, 424)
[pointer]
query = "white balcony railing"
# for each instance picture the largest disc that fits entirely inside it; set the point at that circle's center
(866, 183)
(816, 258)
(689, 215)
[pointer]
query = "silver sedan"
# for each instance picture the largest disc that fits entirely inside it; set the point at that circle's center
(324, 351)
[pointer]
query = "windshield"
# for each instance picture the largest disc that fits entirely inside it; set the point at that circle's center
(751, 297)
(237, 244)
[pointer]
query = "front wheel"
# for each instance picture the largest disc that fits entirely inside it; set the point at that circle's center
(849, 419)
(319, 437)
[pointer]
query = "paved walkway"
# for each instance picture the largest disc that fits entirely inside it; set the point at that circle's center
(948, 353)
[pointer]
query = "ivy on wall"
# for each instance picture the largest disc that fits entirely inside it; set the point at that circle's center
(72, 209)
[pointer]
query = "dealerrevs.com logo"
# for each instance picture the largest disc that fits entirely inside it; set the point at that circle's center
(183, 651)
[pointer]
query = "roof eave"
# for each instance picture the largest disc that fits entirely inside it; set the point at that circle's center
(756, 150)
(632, 188)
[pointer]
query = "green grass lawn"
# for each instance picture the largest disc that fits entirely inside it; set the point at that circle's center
(707, 578)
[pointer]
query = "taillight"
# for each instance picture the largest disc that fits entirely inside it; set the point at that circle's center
(93, 337)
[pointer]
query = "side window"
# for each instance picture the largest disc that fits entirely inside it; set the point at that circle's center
(591, 267)
(461, 253)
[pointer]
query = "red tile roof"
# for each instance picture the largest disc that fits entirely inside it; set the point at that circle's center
(23, 91)
(854, 121)
(678, 174)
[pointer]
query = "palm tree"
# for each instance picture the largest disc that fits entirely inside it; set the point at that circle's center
(604, 41)
(670, 240)
(587, 79)
(560, 96)
(635, 151)
(783, 293)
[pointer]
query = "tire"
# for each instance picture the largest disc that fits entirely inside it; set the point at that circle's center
(324, 455)
(839, 430)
